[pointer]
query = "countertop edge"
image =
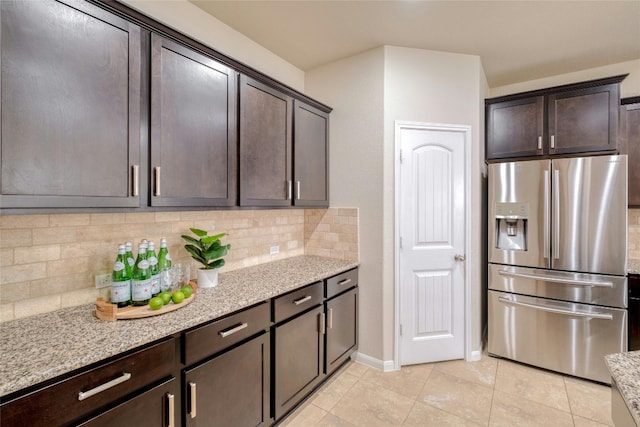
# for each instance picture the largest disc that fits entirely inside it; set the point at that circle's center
(625, 370)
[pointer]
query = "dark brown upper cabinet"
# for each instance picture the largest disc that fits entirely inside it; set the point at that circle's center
(71, 104)
(193, 128)
(515, 128)
(630, 145)
(572, 119)
(311, 156)
(265, 145)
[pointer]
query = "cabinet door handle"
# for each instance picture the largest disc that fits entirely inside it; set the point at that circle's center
(302, 300)
(157, 181)
(297, 190)
(86, 394)
(172, 414)
(344, 282)
(289, 189)
(323, 329)
(539, 143)
(232, 330)
(553, 141)
(135, 181)
(330, 319)
(192, 408)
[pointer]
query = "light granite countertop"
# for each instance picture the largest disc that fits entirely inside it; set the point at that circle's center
(625, 369)
(633, 266)
(38, 348)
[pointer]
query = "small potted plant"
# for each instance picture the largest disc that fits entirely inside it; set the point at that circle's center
(208, 251)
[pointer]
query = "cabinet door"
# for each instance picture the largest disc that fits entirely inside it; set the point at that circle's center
(342, 329)
(515, 128)
(299, 355)
(311, 156)
(265, 145)
(193, 128)
(70, 106)
(630, 145)
(232, 389)
(584, 120)
(159, 406)
(634, 313)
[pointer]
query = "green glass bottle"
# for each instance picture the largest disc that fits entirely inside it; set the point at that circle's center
(120, 280)
(155, 272)
(141, 281)
(129, 259)
(164, 266)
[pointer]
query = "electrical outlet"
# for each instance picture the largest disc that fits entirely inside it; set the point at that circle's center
(103, 280)
(274, 250)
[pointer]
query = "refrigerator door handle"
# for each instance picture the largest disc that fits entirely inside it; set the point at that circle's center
(545, 216)
(603, 284)
(549, 309)
(555, 248)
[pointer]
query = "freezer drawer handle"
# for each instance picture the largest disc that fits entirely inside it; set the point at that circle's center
(233, 330)
(557, 279)
(556, 310)
(192, 410)
(171, 405)
(86, 394)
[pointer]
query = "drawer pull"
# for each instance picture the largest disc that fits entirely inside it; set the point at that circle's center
(192, 409)
(302, 300)
(344, 282)
(233, 330)
(171, 405)
(86, 394)
(323, 326)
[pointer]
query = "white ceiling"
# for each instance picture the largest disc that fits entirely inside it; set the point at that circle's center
(516, 40)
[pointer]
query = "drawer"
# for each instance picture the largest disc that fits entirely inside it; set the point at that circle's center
(341, 282)
(297, 301)
(215, 337)
(60, 404)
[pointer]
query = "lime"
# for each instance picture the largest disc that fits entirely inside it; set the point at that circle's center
(177, 297)
(187, 291)
(156, 303)
(166, 297)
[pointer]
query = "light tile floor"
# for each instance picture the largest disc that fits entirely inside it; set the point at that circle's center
(490, 392)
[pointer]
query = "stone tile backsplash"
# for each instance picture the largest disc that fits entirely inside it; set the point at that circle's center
(49, 262)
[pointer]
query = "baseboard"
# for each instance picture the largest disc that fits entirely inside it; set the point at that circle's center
(372, 362)
(476, 355)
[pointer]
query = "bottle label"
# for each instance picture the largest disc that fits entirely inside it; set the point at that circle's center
(140, 290)
(120, 291)
(118, 266)
(155, 284)
(168, 257)
(143, 265)
(131, 261)
(153, 261)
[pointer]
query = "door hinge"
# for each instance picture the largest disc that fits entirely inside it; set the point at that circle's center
(400, 242)
(400, 156)
(400, 329)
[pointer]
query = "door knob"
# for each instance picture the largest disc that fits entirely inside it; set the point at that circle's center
(459, 257)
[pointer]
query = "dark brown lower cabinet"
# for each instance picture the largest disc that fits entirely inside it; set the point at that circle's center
(342, 329)
(299, 363)
(158, 406)
(231, 389)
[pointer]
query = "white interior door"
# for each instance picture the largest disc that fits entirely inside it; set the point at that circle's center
(431, 224)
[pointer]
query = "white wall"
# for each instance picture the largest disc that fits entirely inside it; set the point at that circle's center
(354, 88)
(192, 21)
(630, 86)
(368, 93)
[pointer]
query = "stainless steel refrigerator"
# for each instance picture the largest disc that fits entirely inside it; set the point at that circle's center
(558, 262)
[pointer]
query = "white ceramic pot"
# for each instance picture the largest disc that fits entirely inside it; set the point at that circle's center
(207, 278)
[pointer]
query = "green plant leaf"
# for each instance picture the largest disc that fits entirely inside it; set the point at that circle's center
(196, 254)
(198, 232)
(191, 240)
(216, 264)
(215, 253)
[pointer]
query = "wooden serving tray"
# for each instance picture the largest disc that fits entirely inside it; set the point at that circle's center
(110, 312)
